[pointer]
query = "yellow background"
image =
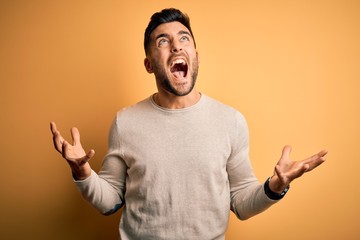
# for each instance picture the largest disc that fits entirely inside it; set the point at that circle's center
(291, 67)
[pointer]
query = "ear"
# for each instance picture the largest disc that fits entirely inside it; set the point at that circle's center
(148, 66)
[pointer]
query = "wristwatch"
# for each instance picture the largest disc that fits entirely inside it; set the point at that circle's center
(273, 195)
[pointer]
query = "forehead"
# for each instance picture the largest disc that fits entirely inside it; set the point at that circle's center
(170, 28)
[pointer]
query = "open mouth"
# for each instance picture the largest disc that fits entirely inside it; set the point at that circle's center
(179, 68)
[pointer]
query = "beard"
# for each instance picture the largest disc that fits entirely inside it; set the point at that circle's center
(164, 79)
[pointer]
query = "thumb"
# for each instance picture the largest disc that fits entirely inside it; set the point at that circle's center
(87, 157)
(285, 153)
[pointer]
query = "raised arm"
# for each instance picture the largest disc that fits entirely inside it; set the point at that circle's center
(287, 170)
(73, 153)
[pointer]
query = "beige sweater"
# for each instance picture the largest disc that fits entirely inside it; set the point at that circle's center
(177, 172)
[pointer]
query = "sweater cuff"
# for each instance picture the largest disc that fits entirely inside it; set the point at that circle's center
(84, 180)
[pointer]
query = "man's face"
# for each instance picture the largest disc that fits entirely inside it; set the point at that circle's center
(173, 59)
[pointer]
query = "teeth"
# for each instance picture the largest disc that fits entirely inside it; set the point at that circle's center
(178, 61)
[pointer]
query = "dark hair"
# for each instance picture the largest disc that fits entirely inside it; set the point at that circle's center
(165, 16)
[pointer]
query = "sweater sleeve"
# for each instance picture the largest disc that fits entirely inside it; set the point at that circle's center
(105, 190)
(247, 195)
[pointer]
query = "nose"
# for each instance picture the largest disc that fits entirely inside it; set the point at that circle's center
(176, 47)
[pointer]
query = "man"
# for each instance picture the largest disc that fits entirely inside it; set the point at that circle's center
(177, 161)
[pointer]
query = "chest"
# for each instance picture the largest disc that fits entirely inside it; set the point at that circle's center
(176, 147)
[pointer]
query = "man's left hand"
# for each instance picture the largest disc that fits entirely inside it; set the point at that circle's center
(287, 170)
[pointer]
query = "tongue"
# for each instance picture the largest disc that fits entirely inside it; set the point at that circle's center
(179, 74)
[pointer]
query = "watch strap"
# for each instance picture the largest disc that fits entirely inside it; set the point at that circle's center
(273, 195)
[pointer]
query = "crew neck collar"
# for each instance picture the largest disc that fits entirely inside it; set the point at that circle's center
(194, 106)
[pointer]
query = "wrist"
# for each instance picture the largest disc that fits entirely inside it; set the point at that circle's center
(275, 184)
(81, 172)
(274, 192)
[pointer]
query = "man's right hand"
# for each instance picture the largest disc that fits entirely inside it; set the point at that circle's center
(74, 154)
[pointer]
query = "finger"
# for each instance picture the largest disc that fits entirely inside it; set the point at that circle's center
(305, 168)
(75, 134)
(315, 160)
(91, 153)
(323, 153)
(58, 142)
(53, 127)
(87, 157)
(286, 150)
(57, 138)
(64, 147)
(320, 154)
(285, 155)
(315, 163)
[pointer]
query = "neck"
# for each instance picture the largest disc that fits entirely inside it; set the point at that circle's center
(170, 101)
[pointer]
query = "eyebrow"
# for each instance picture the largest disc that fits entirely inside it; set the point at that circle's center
(181, 32)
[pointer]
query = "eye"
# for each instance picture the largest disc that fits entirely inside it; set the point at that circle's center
(185, 38)
(162, 41)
